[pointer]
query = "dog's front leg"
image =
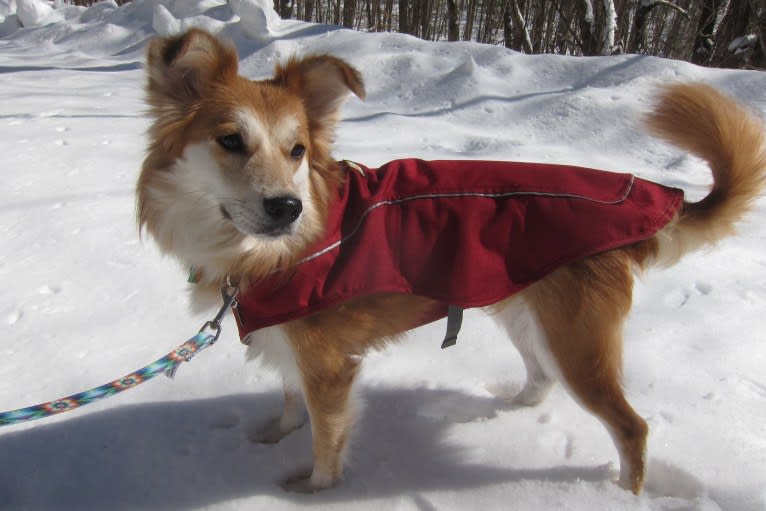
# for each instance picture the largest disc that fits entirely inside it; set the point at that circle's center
(328, 376)
(292, 418)
(274, 349)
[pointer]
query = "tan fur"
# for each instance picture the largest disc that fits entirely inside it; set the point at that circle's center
(582, 308)
(708, 124)
(579, 309)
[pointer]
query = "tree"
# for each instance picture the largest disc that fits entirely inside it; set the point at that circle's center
(588, 34)
(453, 29)
(739, 40)
(404, 26)
(723, 33)
(610, 27)
(704, 39)
(349, 8)
(520, 40)
(637, 40)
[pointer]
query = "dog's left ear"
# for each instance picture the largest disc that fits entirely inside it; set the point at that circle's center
(323, 82)
(184, 67)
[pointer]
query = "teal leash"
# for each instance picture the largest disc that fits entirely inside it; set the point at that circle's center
(167, 365)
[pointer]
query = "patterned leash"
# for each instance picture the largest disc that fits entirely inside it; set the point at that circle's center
(167, 365)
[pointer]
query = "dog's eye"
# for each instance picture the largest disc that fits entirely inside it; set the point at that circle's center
(232, 142)
(298, 151)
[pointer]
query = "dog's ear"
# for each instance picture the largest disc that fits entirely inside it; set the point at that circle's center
(183, 67)
(323, 82)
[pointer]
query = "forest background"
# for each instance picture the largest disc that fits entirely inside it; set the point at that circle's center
(713, 33)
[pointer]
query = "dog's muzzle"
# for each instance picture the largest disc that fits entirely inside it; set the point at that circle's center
(270, 217)
(282, 211)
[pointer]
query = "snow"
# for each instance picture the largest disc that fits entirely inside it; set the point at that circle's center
(258, 18)
(33, 13)
(85, 301)
(163, 22)
(742, 43)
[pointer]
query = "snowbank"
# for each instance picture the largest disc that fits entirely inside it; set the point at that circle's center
(127, 25)
(35, 13)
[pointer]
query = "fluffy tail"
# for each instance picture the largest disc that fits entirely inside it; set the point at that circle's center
(714, 127)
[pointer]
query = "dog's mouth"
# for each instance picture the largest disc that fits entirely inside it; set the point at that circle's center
(250, 227)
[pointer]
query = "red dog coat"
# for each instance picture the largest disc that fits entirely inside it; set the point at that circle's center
(463, 233)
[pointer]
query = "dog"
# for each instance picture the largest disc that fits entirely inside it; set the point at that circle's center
(239, 184)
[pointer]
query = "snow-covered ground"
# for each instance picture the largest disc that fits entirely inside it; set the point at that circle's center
(85, 301)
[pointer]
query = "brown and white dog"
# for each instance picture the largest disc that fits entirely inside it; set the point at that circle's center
(238, 181)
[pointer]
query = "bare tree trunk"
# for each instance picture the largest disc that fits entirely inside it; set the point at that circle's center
(610, 27)
(484, 15)
(369, 14)
(759, 56)
(637, 40)
(588, 36)
(562, 32)
(507, 25)
(404, 25)
(283, 8)
(469, 17)
(425, 18)
(349, 9)
(703, 40)
(538, 27)
(550, 32)
(414, 17)
(520, 40)
(625, 21)
(438, 20)
(734, 24)
(453, 29)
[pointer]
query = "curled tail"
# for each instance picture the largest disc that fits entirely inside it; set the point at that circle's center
(714, 127)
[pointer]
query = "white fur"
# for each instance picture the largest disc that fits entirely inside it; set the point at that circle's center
(190, 193)
(302, 182)
(271, 346)
(252, 130)
(528, 336)
(186, 194)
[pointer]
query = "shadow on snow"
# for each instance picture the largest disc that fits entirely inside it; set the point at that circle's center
(174, 455)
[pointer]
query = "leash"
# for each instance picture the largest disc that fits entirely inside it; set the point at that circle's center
(167, 365)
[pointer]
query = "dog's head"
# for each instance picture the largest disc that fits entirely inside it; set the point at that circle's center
(239, 172)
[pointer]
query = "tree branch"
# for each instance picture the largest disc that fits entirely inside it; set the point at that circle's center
(667, 3)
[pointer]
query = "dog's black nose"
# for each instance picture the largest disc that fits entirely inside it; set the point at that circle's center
(283, 210)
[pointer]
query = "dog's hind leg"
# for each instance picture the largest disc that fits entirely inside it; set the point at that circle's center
(525, 332)
(581, 308)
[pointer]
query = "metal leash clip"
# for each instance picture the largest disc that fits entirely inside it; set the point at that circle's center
(209, 333)
(229, 296)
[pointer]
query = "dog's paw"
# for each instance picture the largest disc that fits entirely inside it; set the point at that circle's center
(633, 482)
(531, 395)
(272, 432)
(303, 482)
